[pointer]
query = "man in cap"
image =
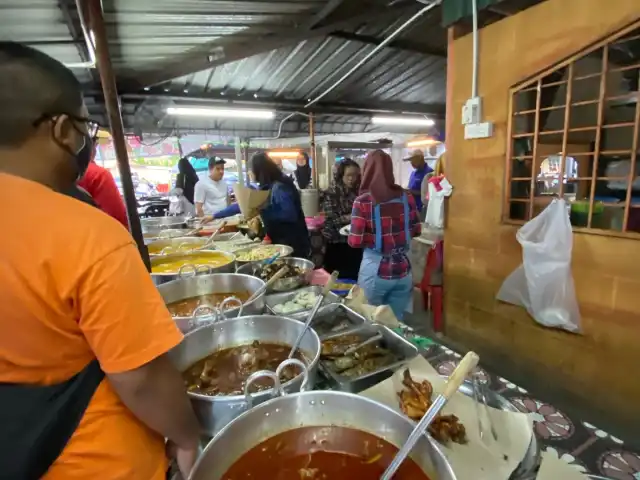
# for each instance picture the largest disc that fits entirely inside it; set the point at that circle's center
(212, 193)
(421, 169)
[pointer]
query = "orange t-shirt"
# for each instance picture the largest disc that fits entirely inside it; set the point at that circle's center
(73, 289)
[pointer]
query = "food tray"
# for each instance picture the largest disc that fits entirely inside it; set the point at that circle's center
(278, 298)
(405, 350)
(329, 315)
(345, 281)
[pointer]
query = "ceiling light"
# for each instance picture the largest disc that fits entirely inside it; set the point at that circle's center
(284, 154)
(423, 142)
(408, 121)
(220, 112)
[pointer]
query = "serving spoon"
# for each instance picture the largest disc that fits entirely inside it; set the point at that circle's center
(456, 379)
(325, 291)
(270, 282)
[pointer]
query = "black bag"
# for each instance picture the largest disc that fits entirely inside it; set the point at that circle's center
(36, 422)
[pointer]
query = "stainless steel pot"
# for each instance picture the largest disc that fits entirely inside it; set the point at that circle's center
(176, 245)
(165, 234)
(191, 268)
(184, 288)
(215, 412)
(150, 225)
(316, 408)
(284, 284)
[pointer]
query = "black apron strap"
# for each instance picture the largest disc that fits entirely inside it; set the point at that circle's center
(36, 422)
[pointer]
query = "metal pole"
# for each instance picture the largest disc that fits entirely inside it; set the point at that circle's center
(312, 151)
(238, 147)
(112, 105)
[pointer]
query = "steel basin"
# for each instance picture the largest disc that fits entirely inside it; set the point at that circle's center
(316, 408)
(171, 246)
(155, 224)
(160, 278)
(165, 234)
(284, 250)
(215, 412)
(283, 284)
(184, 288)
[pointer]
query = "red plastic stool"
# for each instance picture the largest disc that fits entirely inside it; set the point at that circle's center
(432, 295)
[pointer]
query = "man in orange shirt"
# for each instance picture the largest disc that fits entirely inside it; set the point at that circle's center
(86, 388)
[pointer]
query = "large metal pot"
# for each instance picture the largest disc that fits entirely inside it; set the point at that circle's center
(184, 288)
(155, 224)
(316, 408)
(283, 284)
(283, 250)
(215, 412)
(191, 268)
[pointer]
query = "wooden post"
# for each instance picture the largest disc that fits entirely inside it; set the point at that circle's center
(112, 105)
(312, 152)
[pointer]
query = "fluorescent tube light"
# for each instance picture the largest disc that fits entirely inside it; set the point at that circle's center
(221, 112)
(409, 121)
(420, 143)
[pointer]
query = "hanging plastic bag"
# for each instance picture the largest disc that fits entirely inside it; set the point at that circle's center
(438, 188)
(543, 284)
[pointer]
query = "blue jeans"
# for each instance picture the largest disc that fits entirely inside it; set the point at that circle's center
(396, 293)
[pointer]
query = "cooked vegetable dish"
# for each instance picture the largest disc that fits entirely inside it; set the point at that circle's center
(173, 265)
(186, 307)
(225, 372)
(301, 301)
(321, 453)
(262, 252)
(365, 360)
(269, 271)
(415, 400)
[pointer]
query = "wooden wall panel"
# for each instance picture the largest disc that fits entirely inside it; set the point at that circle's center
(481, 252)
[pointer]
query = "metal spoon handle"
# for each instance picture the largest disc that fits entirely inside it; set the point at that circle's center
(314, 311)
(270, 282)
(467, 364)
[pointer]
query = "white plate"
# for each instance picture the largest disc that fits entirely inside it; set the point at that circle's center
(346, 230)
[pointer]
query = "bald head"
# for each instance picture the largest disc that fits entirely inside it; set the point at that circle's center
(43, 125)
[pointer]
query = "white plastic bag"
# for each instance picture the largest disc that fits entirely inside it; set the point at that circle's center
(543, 284)
(439, 188)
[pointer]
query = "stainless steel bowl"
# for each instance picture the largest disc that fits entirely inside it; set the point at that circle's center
(215, 412)
(191, 268)
(172, 246)
(284, 250)
(155, 224)
(165, 234)
(316, 408)
(283, 284)
(184, 288)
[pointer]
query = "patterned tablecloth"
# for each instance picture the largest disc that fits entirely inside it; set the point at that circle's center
(577, 442)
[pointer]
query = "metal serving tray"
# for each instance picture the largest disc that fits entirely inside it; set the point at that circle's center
(330, 315)
(274, 299)
(404, 349)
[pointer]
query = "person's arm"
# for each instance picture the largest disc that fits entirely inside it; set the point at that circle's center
(415, 227)
(358, 226)
(199, 196)
(231, 210)
(129, 330)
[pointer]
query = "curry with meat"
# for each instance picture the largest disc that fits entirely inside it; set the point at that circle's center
(321, 453)
(225, 372)
(186, 307)
(173, 265)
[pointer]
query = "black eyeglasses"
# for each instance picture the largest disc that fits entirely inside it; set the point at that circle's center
(93, 127)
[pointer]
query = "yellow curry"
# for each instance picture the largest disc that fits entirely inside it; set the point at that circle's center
(172, 265)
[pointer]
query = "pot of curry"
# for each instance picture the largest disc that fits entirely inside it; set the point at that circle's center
(185, 295)
(218, 358)
(166, 268)
(319, 435)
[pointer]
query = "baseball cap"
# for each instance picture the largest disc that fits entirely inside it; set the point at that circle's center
(415, 153)
(213, 161)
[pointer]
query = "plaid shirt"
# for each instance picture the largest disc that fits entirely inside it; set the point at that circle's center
(395, 263)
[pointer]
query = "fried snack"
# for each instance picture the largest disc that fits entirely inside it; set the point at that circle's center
(415, 400)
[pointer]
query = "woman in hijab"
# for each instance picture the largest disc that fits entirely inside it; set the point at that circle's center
(282, 213)
(384, 219)
(302, 173)
(338, 200)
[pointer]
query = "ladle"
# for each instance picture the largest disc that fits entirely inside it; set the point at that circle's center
(465, 367)
(270, 282)
(325, 291)
(210, 240)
